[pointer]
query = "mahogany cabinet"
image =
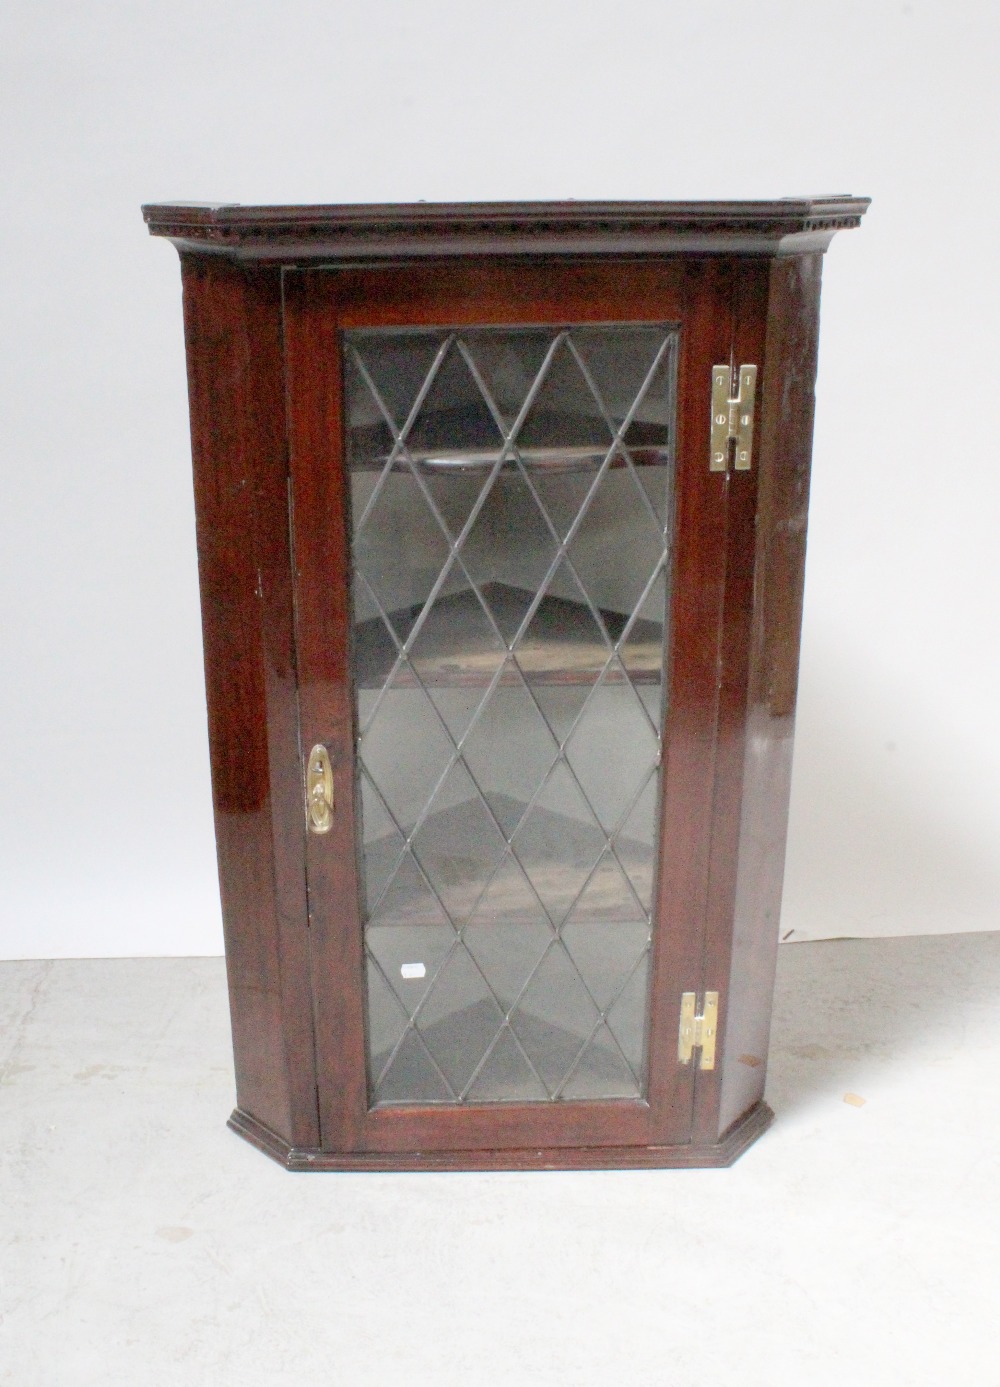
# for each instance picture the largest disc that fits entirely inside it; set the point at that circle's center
(501, 518)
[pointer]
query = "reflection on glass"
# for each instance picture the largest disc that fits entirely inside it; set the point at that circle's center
(510, 493)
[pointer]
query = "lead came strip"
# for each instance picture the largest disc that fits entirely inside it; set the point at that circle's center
(511, 559)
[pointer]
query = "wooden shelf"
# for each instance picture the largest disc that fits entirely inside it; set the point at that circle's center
(560, 646)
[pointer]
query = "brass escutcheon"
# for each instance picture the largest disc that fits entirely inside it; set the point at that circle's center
(319, 790)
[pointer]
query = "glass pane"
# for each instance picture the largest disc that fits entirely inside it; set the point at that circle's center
(601, 1070)
(460, 1020)
(558, 842)
(510, 494)
(627, 1019)
(613, 748)
(459, 844)
(506, 1074)
(554, 1018)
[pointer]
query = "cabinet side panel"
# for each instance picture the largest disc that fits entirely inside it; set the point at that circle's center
(233, 335)
(783, 497)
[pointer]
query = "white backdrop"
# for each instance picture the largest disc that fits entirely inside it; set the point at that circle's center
(107, 845)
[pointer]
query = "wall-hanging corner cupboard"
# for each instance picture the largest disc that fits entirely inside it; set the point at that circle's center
(501, 517)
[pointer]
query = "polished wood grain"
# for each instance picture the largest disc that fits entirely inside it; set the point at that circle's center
(236, 392)
(414, 230)
(690, 743)
(263, 323)
(321, 561)
(685, 1156)
(785, 452)
(749, 312)
(317, 305)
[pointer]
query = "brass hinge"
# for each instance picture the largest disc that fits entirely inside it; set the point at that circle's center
(732, 418)
(698, 1032)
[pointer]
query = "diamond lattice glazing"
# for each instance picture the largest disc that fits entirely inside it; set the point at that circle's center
(511, 507)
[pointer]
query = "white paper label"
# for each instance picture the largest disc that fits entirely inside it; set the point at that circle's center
(413, 970)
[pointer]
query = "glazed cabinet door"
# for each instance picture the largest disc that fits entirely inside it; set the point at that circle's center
(510, 563)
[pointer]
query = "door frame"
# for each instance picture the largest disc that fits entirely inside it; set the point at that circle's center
(703, 681)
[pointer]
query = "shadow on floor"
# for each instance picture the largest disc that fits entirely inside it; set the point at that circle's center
(848, 1011)
(893, 822)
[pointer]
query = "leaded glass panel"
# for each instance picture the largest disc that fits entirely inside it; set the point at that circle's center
(511, 503)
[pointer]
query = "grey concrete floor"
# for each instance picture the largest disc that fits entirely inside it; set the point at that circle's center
(857, 1243)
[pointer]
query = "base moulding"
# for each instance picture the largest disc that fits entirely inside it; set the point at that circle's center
(691, 1156)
